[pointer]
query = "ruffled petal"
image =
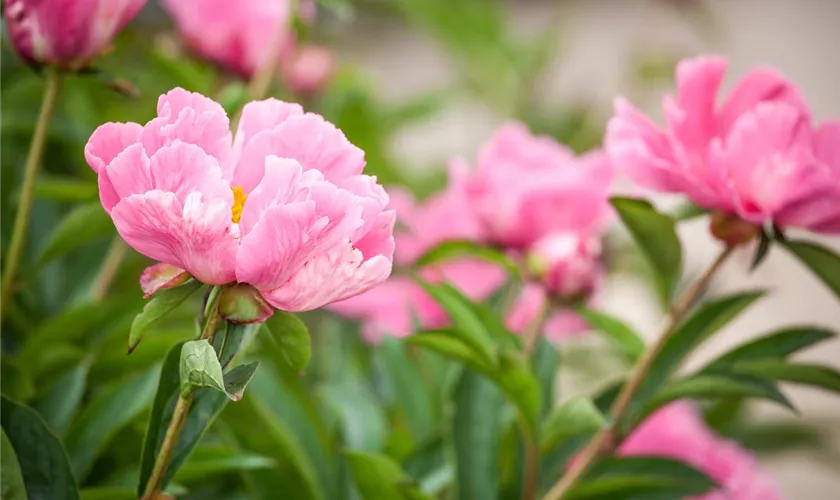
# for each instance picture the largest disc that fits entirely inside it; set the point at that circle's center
(125, 175)
(194, 235)
(312, 141)
(757, 86)
(330, 276)
(108, 141)
(691, 118)
(258, 116)
(183, 169)
(192, 118)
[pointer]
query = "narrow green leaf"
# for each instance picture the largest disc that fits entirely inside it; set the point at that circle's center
(776, 345)
(237, 379)
(700, 326)
(447, 342)
(210, 461)
(380, 478)
(233, 340)
(762, 250)
(59, 403)
(67, 189)
(545, 363)
(85, 223)
(823, 377)
(467, 323)
(477, 428)
(455, 249)
(43, 462)
(575, 417)
(629, 343)
(655, 234)
(108, 494)
(11, 478)
(292, 336)
(823, 262)
(521, 387)
(407, 386)
(161, 304)
(107, 413)
(717, 385)
(363, 423)
(206, 405)
(641, 478)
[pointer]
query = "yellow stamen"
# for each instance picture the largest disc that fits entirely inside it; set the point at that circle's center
(239, 198)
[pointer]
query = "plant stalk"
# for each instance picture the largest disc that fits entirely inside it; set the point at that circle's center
(608, 439)
(179, 416)
(108, 270)
(33, 162)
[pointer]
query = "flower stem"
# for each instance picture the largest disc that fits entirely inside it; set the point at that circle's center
(532, 466)
(33, 161)
(109, 269)
(179, 415)
(608, 439)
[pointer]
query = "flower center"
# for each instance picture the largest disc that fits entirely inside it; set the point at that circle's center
(239, 198)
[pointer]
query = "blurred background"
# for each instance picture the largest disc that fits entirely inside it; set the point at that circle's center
(416, 83)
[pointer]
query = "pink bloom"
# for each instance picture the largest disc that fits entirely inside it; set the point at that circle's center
(66, 33)
(281, 206)
(237, 35)
(677, 431)
(309, 70)
(559, 326)
(525, 187)
(568, 264)
(756, 155)
(394, 307)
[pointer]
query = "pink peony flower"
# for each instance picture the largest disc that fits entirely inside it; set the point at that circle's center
(756, 155)
(677, 431)
(396, 306)
(282, 206)
(560, 325)
(65, 33)
(309, 70)
(568, 264)
(235, 35)
(525, 187)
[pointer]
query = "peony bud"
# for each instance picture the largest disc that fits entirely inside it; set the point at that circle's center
(309, 70)
(67, 34)
(731, 229)
(567, 264)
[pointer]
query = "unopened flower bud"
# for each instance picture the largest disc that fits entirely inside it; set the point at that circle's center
(731, 229)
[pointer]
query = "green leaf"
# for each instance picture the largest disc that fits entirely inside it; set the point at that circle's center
(629, 343)
(237, 379)
(468, 325)
(718, 385)
(362, 421)
(823, 377)
(59, 403)
(108, 494)
(380, 478)
(823, 262)
(233, 339)
(447, 342)
(762, 250)
(200, 367)
(211, 461)
(67, 189)
(161, 304)
(575, 417)
(476, 433)
(521, 387)
(773, 346)
(545, 362)
(292, 336)
(456, 249)
(43, 462)
(11, 478)
(408, 388)
(700, 326)
(641, 478)
(111, 410)
(688, 211)
(206, 406)
(655, 234)
(83, 224)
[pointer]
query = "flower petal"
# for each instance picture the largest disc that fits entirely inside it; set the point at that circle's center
(183, 169)
(337, 274)
(258, 116)
(757, 86)
(194, 235)
(691, 118)
(315, 143)
(159, 276)
(125, 175)
(108, 141)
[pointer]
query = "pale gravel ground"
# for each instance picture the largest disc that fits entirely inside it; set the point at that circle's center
(799, 37)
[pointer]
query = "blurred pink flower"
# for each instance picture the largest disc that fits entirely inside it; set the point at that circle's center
(65, 33)
(560, 325)
(568, 264)
(525, 187)
(393, 308)
(677, 431)
(281, 206)
(237, 35)
(756, 155)
(309, 70)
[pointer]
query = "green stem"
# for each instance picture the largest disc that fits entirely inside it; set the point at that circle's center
(109, 269)
(531, 466)
(33, 161)
(609, 438)
(179, 415)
